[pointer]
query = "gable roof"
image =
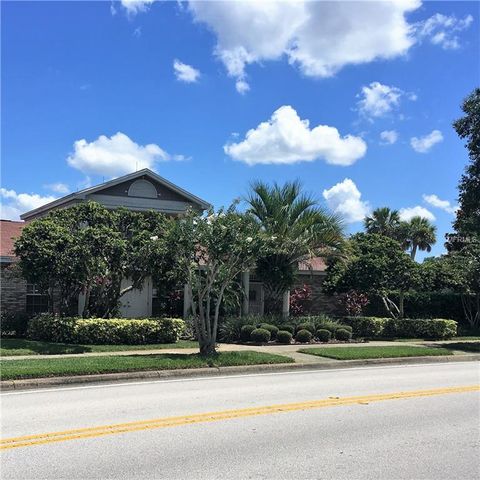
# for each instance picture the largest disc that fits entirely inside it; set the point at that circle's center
(9, 232)
(81, 195)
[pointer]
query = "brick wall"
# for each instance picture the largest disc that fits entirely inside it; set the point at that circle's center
(13, 290)
(321, 302)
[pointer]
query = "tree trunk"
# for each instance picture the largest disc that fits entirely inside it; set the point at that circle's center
(401, 303)
(414, 251)
(208, 348)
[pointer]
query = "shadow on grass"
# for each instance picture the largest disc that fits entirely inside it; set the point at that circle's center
(463, 346)
(20, 346)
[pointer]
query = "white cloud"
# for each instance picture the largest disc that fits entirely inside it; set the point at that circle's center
(57, 187)
(14, 204)
(242, 86)
(115, 156)
(442, 30)
(445, 205)
(345, 199)
(134, 6)
(417, 211)
(389, 137)
(286, 139)
(425, 143)
(185, 73)
(376, 99)
(320, 38)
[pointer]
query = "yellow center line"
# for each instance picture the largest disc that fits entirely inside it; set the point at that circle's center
(119, 428)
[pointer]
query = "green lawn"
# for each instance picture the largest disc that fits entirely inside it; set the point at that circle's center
(20, 346)
(354, 353)
(464, 346)
(53, 367)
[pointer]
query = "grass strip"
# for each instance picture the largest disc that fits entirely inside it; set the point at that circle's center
(358, 353)
(54, 367)
(464, 346)
(20, 346)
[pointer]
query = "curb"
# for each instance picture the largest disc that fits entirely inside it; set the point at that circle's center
(25, 384)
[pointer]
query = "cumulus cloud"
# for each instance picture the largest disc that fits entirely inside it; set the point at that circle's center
(320, 38)
(443, 30)
(185, 73)
(116, 155)
(377, 100)
(345, 199)
(417, 211)
(389, 137)
(14, 204)
(445, 205)
(425, 143)
(133, 7)
(57, 187)
(287, 139)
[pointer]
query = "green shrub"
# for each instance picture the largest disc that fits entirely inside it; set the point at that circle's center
(260, 335)
(271, 328)
(105, 331)
(434, 328)
(369, 327)
(306, 326)
(51, 328)
(303, 336)
(343, 335)
(14, 324)
(323, 335)
(229, 328)
(245, 332)
(287, 328)
(283, 336)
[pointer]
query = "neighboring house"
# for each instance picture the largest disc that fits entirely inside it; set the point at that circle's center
(140, 191)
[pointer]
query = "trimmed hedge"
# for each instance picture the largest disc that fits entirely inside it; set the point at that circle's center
(287, 328)
(285, 337)
(303, 336)
(115, 331)
(306, 326)
(245, 332)
(260, 335)
(343, 335)
(14, 324)
(271, 328)
(374, 327)
(323, 335)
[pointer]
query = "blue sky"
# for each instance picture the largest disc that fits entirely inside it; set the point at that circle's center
(90, 91)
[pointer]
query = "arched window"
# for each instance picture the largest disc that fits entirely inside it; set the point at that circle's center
(142, 188)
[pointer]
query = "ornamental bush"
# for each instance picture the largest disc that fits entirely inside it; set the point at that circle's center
(306, 326)
(14, 324)
(343, 335)
(271, 328)
(283, 336)
(113, 331)
(323, 335)
(287, 328)
(303, 336)
(368, 327)
(260, 335)
(245, 332)
(434, 328)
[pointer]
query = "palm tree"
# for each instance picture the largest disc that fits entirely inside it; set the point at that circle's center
(384, 222)
(298, 228)
(418, 234)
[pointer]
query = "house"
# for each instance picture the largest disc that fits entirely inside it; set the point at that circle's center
(140, 191)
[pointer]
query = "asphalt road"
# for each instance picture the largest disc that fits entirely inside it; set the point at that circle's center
(432, 432)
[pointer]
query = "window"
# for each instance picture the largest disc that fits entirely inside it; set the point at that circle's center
(37, 301)
(142, 188)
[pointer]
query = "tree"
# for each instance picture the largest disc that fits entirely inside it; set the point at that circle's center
(297, 229)
(210, 253)
(375, 265)
(468, 127)
(383, 221)
(89, 249)
(417, 234)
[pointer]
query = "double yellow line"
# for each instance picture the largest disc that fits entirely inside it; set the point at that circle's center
(93, 432)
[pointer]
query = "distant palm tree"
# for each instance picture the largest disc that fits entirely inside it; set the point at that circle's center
(418, 234)
(299, 229)
(383, 221)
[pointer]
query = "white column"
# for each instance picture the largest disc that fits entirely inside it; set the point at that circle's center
(186, 301)
(246, 293)
(286, 304)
